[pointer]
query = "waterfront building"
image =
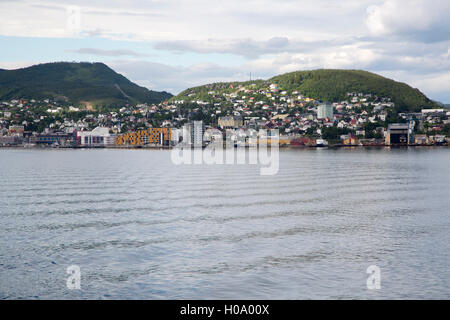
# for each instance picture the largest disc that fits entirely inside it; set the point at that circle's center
(186, 133)
(99, 137)
(16, 131)
(325, 111)
(421, 139)
(213, 135)
(177, 136)
(399, 134)
(197, 130)
(154, 136)
(350, 140)
(193, 133)
(10, 140)
(56, 138)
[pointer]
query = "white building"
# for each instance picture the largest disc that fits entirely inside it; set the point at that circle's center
(186, 133)
(193, 133)
(325, 111)
(99, 137)
(432, 111)
(213, 135)
(176, 135)
(197, 133)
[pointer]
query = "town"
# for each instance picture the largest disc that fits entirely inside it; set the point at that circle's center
(362, 119)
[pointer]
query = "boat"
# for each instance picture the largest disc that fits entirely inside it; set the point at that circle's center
(321, 143)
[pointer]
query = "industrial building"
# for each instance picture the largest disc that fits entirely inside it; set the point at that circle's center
(399, 134)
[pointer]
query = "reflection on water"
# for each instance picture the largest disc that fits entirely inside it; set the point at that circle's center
(140, 227)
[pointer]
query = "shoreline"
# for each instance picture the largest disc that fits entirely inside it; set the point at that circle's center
(171, 147)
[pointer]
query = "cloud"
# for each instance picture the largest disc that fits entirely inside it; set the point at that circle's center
(424, 20)
(173, 20)
(109, 53)
(174, 79)
(434, 83)
(407, 39)
(247, 47)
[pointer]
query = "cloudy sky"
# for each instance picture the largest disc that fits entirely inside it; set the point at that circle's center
(174, 44)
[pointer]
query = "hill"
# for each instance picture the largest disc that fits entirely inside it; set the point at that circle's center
(89, 83)
(331, 86)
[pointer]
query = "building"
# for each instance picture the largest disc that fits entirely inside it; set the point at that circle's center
(325, 111)
(57, 138)
(10, 140)
(302, 142)
(399, 134)
(99, 137)
(213, 135)
(280, 116)
(432, 111)
(230, 122)
(16, 131)
(177, 136)
(193, 133)
(421, 139)
(186, 133)
(197, 130)
(154, 136)
(350, 140)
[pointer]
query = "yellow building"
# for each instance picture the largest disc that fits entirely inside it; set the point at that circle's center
(143, 137)
(230, 122)
(351, 141)
(280, 116)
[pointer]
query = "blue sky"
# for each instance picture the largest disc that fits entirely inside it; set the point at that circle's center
(174, 44)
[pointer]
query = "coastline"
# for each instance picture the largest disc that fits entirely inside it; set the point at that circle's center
(284, 147)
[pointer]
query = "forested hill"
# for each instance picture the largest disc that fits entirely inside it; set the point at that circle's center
(332, 86)
(92, 83)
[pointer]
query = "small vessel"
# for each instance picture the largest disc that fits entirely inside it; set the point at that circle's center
(321, 143)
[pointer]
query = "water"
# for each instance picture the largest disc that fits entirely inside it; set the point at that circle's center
(140, 227)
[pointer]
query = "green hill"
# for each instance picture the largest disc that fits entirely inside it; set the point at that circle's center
(331, 86)
(93, 83)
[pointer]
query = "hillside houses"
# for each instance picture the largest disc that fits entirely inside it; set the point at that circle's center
(259, 105)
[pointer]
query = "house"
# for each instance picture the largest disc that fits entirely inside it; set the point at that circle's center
(421, 139)
(351, 140)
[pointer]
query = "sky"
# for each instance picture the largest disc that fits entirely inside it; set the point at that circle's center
(172, 45)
